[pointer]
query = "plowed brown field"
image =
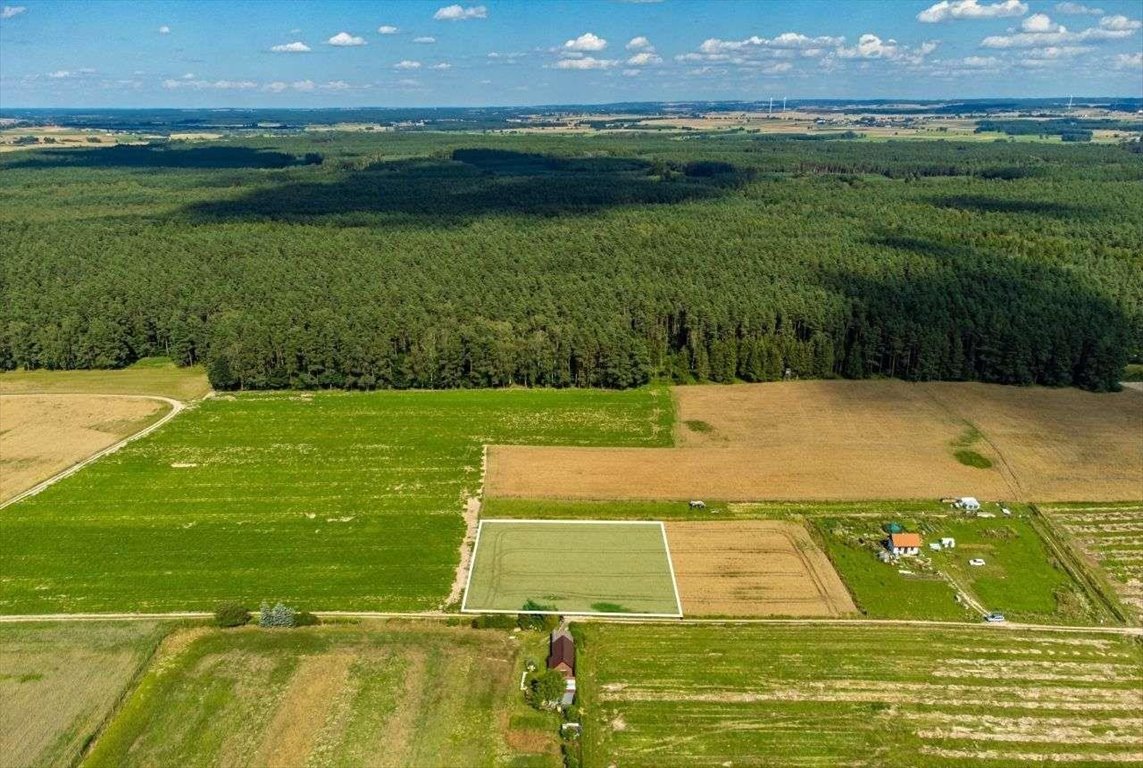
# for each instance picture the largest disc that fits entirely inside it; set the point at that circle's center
(855, 440)
(753, 568)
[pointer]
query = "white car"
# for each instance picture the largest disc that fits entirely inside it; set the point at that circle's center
(995, 618)
(976, 561)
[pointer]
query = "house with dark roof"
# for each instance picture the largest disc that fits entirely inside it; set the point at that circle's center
(561, 656)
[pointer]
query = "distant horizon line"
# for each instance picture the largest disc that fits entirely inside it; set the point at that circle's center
(551, 105)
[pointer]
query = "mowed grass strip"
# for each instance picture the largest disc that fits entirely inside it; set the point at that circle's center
(374, 694)
(572, 567)
(1110, 539)
(660, 695)
(59, 683)
(327, 501)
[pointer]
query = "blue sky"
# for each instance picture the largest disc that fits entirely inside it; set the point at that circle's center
(191, 53)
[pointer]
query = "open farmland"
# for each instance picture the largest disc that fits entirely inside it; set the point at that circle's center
(327, 500)
(753, 568)
(371, 694)
(59, 683)
(150, 376)
(572, 567)
(856, 440)
(859, 695)
(41, 435)
(1111, 539)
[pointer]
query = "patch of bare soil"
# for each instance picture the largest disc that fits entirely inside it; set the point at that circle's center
(302, 712)
(41, 435)
(753, 568)
(823, 440)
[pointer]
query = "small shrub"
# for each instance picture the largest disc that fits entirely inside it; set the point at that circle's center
(538, 621)
(231, 615)
(306, 619)
(494, 621)
(277, 617)
(971, 458)
(547, 689)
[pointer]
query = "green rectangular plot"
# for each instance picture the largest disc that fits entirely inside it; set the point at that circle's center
(572, 567)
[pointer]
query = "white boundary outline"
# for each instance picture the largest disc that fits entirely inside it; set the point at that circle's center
(666, 549)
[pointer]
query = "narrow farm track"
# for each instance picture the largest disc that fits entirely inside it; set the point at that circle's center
(177, 407)
(438, 615)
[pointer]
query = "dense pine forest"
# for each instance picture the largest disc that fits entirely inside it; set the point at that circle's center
(463, 260)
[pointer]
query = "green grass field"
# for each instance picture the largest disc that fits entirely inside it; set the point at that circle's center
(657, 695)
(149, 376)
(60, 682)
(579, 567)
(374, 694)
(1019, 578)
(326, 500)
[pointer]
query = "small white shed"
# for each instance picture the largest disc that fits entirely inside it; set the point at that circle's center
(968, 503)
(948, 542)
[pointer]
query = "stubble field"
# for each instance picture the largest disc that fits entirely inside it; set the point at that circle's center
(824, 440)
(754, 568)
(41, 435)
(1111, 539)
(858, 695)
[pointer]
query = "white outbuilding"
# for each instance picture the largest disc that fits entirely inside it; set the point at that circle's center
(968, 504)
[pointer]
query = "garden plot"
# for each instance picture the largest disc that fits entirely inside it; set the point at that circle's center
(572, 567)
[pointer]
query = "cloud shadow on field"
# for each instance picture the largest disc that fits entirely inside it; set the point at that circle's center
(986, 204)
(471, 183)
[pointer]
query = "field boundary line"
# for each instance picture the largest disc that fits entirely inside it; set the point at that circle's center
(177, 407)
(557, 521)
(671, 566)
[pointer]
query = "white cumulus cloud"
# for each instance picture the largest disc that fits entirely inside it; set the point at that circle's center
(1120, 23)
(386, 29)
(460, 13)
(587, 42)
(639, 43)
(12, 11)
(585, 62)
(164, 30)
(1129, 61)
(295, 47)
(407, 64)
(948, 10)
(442, 66)
(1077, 9)
(1038, 31)
(644, 58)
(344, 39)
(426, 40)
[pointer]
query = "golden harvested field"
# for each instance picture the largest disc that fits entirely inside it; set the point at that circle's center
(830, 440)
(753, 568)
(41, 435)
(59, 682)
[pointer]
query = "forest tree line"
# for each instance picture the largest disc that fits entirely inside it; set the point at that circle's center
(438, 262)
